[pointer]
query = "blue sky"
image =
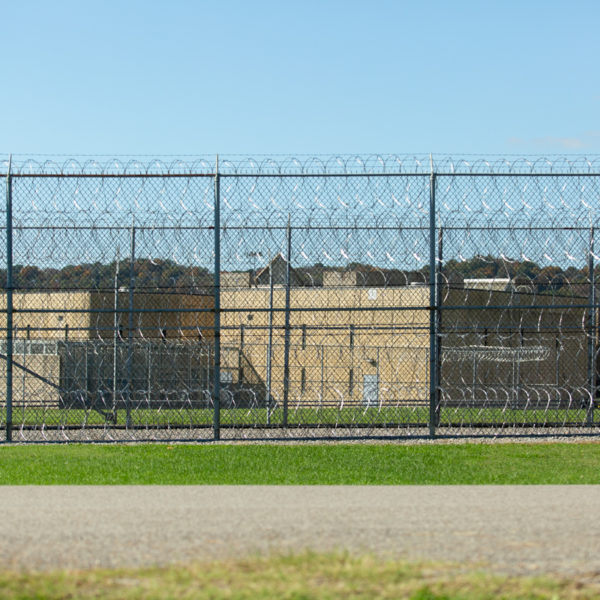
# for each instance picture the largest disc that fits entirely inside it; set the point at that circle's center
(303, 77)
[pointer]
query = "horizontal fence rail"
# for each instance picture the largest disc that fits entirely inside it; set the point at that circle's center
(298, 298)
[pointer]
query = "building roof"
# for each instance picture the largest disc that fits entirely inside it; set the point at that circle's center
(278, 267)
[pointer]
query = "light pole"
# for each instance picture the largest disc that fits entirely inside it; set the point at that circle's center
(253, 255)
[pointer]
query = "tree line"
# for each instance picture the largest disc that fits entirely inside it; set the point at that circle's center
(165, 274)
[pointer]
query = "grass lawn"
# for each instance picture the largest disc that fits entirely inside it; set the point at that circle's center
(271, 464)
(309, 575)
(292, 578)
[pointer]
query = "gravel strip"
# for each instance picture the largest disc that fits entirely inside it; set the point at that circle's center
(323, 435)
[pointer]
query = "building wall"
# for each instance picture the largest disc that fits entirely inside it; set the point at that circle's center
(335, 278)
(67, 316)
(559, 373)
(332, 350)
(170, 315)
(338, 336)
(63, 314)
(235, 279)
(342, 338)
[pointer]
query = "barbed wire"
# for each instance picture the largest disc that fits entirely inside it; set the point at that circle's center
(346, 307)
(304, 165)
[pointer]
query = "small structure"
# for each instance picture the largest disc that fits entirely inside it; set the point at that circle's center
(276, 273)
(496, 284)
(75, 348)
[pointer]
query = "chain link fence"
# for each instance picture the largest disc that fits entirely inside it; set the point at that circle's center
(347, 297)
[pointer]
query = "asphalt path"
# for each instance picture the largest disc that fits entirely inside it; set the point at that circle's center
(509, 529)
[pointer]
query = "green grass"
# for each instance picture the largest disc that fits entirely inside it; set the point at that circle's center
(270, 464)
(300, 577)
(386, 415)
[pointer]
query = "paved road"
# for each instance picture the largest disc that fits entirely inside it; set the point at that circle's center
(515, 529)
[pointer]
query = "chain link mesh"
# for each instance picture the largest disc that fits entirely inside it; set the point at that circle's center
(356, 297)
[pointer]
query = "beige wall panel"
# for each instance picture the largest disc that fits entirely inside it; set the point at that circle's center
(155, 325)
(30, 391)
(321, 356)
(54, 324)
(69, 315)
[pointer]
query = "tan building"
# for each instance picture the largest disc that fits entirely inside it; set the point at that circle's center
(78, 315)
(349, 343)
(522, 355)
(67, 350)
(356, 344)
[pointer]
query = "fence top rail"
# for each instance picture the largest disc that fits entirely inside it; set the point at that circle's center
(387, 165)
(38, 175)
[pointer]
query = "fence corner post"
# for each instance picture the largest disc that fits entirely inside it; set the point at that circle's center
(433, 307)
(217, 308)
(286, 346)
(9, 303)
(592, 339)
(130, 387)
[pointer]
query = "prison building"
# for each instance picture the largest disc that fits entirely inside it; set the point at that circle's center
(515, 349)
(350, 342)
(355, 343)
(72, 348)
(80, 315)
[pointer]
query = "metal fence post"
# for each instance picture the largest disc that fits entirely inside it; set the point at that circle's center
(240, 354)
(432, 307)
(9, 303)
(322, 397)
(592, 332)
(130, 328)
(270, 343)
(217, 308)
(115, 337)
(286, 348)
(438, 324)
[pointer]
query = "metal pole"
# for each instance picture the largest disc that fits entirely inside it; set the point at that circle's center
(378, 380)
(130, 328)
(514, 383)
(240, 353)
(270, 345)
(115, 337)
(433, 309)
(438, 325)
(518, 386)
(286, 348)
(9, 303)
(322, 377)
(88, 396)
(24, 362)
(557, 365)
(149, 376)
(217, 300)
(592, 333)
(473, 397)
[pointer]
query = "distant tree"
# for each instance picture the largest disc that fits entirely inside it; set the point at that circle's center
(165, 274)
